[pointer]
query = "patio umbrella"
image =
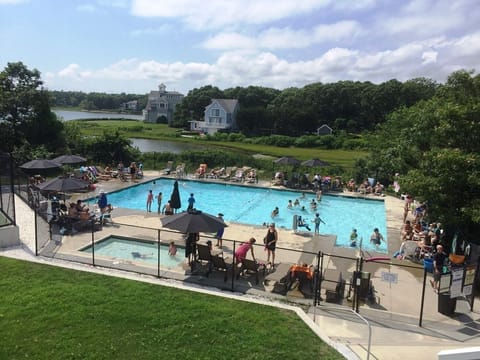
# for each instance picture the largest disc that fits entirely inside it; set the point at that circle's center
(40, 164)
(193, 221)
(175, 202)
(315, 163)
(63, 184)
(287, 160)
(69, 159)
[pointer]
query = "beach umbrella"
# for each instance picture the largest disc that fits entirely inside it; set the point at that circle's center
(63, 184)
(193, 221)
(315, 163)
(175, 201)
(287, 160)
(40, 164)
(69, 159)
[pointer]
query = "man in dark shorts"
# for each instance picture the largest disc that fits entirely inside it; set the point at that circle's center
(438, 261)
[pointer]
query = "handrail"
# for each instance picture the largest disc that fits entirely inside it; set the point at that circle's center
(361, 317)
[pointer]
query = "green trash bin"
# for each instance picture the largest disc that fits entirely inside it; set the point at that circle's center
(446, 305)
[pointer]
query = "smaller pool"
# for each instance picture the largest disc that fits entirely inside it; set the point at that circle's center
(136, 250)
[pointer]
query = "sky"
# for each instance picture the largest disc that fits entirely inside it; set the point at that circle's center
(132, 46)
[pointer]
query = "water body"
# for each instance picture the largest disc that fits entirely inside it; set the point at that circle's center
(144, 145)
(147, 145)
(79, 115)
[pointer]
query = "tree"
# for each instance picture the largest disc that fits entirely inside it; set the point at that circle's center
(25, 115)
(434, 147)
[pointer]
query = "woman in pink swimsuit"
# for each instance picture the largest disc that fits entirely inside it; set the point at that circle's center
(241, 252)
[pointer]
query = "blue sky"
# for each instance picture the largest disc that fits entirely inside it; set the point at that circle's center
(132, 46)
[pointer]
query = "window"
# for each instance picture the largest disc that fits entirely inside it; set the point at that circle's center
(215, 112)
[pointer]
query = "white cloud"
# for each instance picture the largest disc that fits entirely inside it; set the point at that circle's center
(429, 57)
(86, 8)
(219, 13)
(285, 38)
(162, 29)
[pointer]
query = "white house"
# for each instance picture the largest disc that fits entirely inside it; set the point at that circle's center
(221, 114)
(160, 104)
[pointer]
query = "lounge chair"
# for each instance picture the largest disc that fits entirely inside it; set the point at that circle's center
(204, 256)
(333, 284)
(251, 266)
(221, 264)
(180, 171)
(239, 175)
(168, 168)
(228, 173)
(201, 171)
(410, 250)
(280, 278)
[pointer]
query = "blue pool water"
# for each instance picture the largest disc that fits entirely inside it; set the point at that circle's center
(250, 205)
(122, 248)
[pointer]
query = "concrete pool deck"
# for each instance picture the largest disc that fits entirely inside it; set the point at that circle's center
(392, 337)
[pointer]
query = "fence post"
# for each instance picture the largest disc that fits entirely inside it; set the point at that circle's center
(93, 243)
(158, 260)
(423, 297)
(234, 264)
(36, 228)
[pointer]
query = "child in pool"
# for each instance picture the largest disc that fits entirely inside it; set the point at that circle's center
(172, 249)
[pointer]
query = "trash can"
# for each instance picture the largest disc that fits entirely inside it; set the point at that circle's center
(446, 305)
(428, 264)
(362, 281)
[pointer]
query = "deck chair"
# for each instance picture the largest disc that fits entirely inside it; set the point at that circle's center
(228, 173)
(251, 266)
(204, 256)
(410, 250)
(180, 171)
(280, 278)
(221, 264)
(239, 175)
(333, 284)
(168, 168)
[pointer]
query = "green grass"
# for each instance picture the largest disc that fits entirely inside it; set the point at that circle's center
(54, 313)
(137, 129)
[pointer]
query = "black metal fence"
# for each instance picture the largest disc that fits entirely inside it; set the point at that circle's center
(387, 287)
(7, 199)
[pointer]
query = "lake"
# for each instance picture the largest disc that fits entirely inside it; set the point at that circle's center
(144, 145)
(147, 145)
(79, 115)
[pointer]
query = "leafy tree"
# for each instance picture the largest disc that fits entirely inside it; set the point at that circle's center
(434, 146)
(25, 116)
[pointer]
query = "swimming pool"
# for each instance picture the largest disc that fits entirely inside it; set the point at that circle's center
(135, 250)
(253, 206)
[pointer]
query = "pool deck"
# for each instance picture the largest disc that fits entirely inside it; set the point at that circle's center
(394, 336)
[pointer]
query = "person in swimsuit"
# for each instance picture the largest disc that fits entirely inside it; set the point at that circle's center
(270, 241)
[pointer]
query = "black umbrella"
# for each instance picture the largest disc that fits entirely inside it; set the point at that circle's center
(63, 184)
(40, 164)
(69, 159)
(193, 221)
(175, 202)
(315, 163)
(287, 160)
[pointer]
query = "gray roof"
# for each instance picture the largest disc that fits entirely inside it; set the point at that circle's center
(228, 104)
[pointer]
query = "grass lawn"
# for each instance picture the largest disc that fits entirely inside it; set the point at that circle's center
(53, 313)
(138, 129)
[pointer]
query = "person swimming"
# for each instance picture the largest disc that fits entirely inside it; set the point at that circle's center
(137, 255)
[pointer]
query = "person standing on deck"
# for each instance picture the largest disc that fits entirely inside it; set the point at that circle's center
(149, 201)
(191, 202)
(159, 201)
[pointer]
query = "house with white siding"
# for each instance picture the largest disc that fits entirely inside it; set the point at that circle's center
(220, 114)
